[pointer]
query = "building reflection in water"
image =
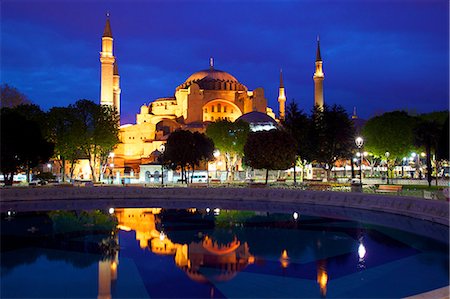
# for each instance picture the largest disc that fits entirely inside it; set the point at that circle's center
(322, 276)
(227, 259)
(107, 274)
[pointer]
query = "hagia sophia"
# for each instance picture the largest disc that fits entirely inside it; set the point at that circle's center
(205, 96)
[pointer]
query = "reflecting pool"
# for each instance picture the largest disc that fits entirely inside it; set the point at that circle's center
(213, 253)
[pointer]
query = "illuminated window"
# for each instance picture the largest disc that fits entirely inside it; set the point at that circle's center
(212, 108)
(224, 108)
(212, 118)
(206, 110)
(219, 108)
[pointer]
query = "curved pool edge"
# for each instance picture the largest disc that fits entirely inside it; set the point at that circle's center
(442, 293)
(431, 210)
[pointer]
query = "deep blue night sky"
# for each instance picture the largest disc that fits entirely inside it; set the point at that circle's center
(378, 55)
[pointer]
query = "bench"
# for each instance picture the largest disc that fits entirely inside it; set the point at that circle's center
(319, 187)
(283, 180)
(198, 185)
(389, 189)
(257, 185)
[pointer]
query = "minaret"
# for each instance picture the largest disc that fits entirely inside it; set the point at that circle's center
(354, 116)
(318, 79)
(116, 88)
(282, 97)
(107, 66)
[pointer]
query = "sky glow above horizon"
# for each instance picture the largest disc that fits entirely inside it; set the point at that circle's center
(377, 55)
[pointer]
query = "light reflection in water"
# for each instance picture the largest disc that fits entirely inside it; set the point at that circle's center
(322, 276)
(284, 259)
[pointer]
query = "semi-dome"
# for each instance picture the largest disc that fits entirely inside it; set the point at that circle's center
(255, 117)
(212, 79)
(259, 121)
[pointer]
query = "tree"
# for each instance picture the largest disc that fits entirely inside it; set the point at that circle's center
(390, 132)
(297, 124)
(11, 97)
(426, 134)
(442, 152)
(331, 136)
(65, 131)
(186, 150)
(202, 151)
(22, 146)
(270, 150)
(99, 127)
(229, 138)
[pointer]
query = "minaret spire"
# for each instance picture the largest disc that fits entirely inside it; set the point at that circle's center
(318, 79)
(281, 78)
(282, 97)
(211, 63)
(318, 56)
(107, 31)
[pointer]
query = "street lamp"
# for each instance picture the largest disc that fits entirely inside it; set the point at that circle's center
(387, 154)
(359, 141)
(162, 148)
(403, 166)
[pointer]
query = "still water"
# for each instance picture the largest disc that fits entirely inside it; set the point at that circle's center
(203, 253)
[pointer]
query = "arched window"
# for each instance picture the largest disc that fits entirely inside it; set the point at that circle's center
(224, 108)
(212, 108)
(219, 108)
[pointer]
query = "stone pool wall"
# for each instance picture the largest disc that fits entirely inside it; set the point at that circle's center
(40, 197)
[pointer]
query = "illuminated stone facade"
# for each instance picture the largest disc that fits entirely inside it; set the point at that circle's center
(206, 96)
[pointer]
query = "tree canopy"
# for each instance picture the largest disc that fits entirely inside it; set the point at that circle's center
(65, 130)
(185, 149)
(391, 132)
(332, 136)
(99, 132)
(229, 138)
(23, 146)
(298, 125)
(11, 97)
(270, 150)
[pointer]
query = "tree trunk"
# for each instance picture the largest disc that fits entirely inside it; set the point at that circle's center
(63, 170)
(72, 169)
(328, 173)
(429, 170)
(295, 179)
(267, 175)
(352, 168)
(28, 173)
(8, 179)
(437, 169)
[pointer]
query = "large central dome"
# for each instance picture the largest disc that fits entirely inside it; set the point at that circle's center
(212, 79)
(210, 75)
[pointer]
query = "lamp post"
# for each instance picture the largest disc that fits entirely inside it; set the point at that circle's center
(216, 155)
(162, 148)
(387, 154)
(403, 166)
(110, 179)
(359, 141)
